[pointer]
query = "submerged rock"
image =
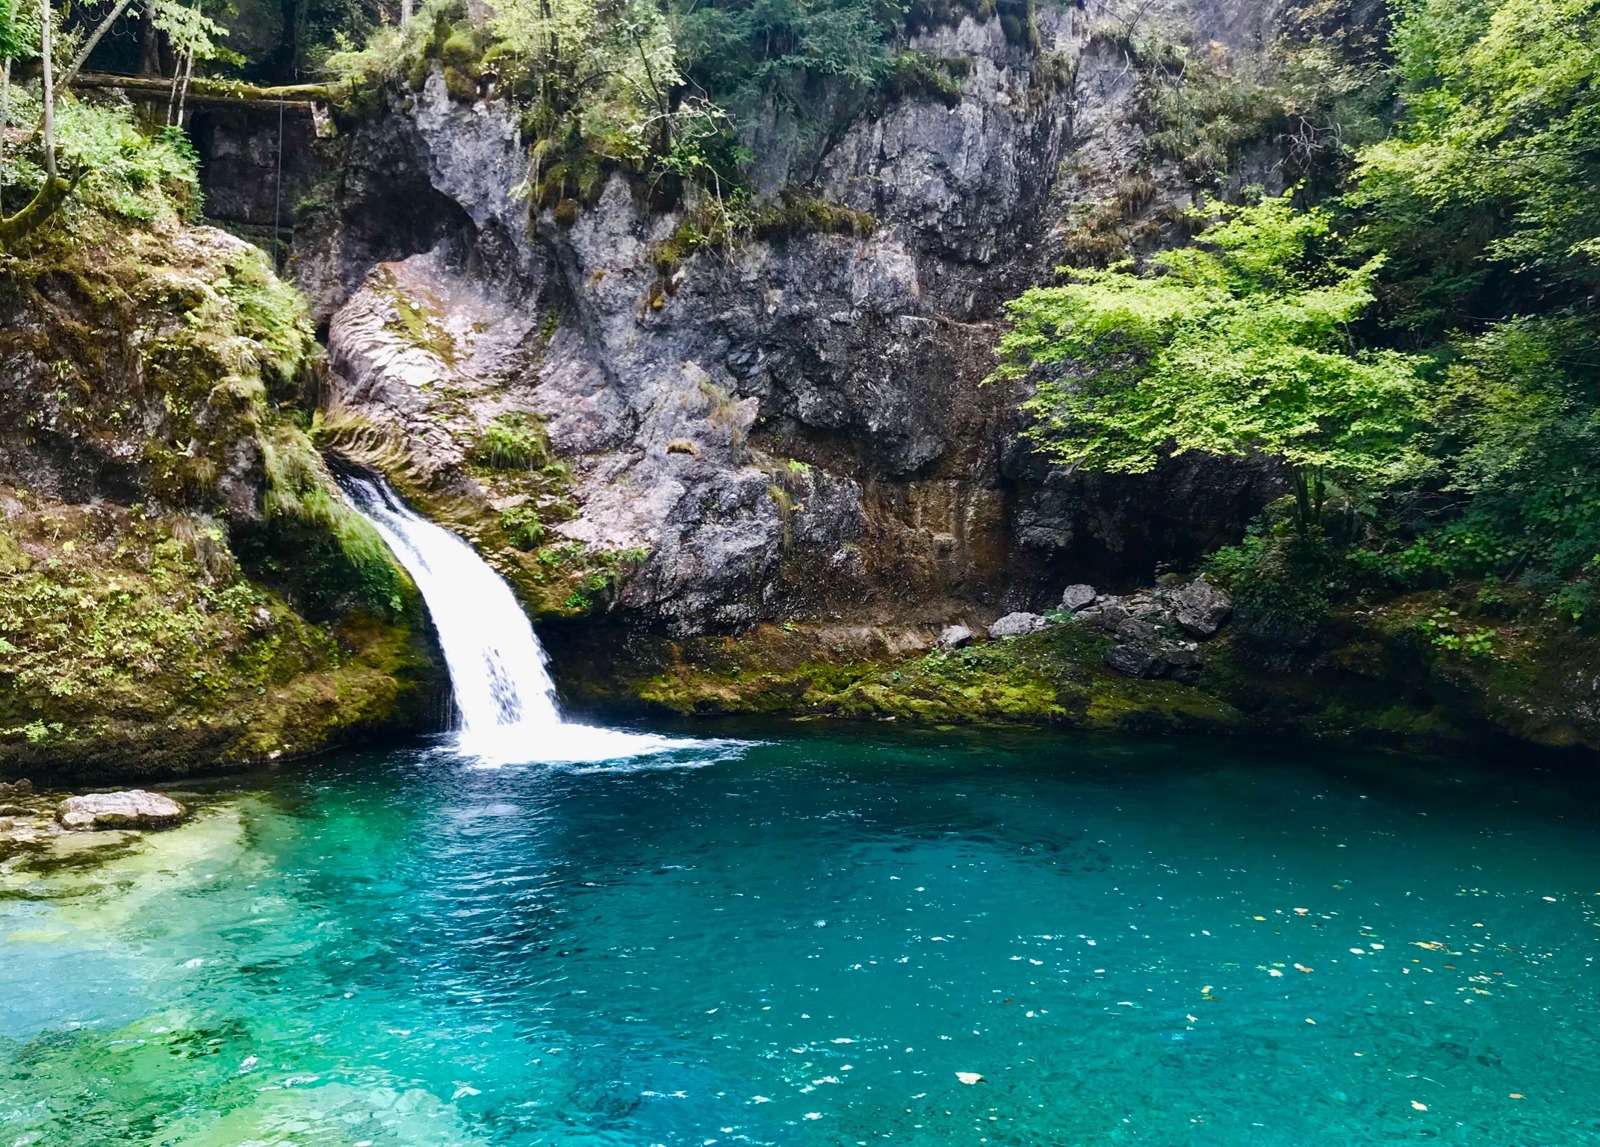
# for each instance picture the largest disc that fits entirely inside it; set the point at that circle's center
(1017, 625)
(1075, 597)
(955, 637)
(134, 808)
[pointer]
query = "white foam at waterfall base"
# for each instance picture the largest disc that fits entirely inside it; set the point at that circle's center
(506, 707)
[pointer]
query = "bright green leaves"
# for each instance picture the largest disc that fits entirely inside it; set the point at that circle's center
(1500, 146)
(1234, 345)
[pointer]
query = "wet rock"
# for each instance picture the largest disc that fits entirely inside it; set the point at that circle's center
(1200, 607)
(133, 808)
(1017, 625)
(1136, 660)
(18, 788)
(15, 810)
(955, 637)
(1076, 597)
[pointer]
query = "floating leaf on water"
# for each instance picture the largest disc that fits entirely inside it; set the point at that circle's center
(1431, 945)
(969, 1077)
(1518, 1095)
(1419, 1106)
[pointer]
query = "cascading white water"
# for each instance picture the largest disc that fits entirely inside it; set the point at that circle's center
(505, 699)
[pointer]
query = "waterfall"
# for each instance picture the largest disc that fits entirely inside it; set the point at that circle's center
(505, 700)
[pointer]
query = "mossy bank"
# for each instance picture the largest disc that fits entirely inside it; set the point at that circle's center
(180, 585)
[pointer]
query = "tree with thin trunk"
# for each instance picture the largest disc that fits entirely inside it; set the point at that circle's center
(55, 190)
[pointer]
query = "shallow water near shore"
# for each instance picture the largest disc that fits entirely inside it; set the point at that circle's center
(805, 940)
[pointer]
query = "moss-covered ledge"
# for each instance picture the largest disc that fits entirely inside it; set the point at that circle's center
(1376, 678)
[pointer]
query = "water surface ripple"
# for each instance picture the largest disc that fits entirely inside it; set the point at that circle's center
(805, 943)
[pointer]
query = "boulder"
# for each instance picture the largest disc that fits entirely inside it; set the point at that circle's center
(1180, 656)
(134, 808)
(1201, 607)
(1135, 660)
(1017, 625)
(1075, 597)
(1108, 614)
(20, 788)
(1134, 631)
(955, 637)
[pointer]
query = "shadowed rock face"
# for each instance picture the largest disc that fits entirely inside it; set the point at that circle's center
(797, 427)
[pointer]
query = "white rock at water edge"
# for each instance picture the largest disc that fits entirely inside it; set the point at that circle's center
(134, 808)
(1018, 625)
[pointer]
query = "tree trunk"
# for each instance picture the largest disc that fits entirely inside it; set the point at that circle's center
(183, 93)
(1302, 503)
(405, 13)
(149, 43)
(48, 122)
(5, 122)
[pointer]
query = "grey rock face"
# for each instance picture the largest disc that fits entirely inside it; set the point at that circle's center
(1135, 660)
(1075, 597)
(955, 637)
(1136, 632)
(794, 427)
(1201, 608)
(134, 808)
(1017, 625)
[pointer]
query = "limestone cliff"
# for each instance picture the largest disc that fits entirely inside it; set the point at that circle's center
(790, 427)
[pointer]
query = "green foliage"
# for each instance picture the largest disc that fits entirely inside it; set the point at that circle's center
(1444, 629)
(1315, 105)
(512, 442)
(1237, 346)
(746, 53)
(19, 30)
(1519, 435)
(126, 172)
(1489, 195)
(917, 74)
(523, 527)
(336, 552)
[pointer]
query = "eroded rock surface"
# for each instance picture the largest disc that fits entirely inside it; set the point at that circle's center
(794, 428)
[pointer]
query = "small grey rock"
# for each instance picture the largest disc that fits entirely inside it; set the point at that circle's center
(134, 808)
(1109, 615)
(1135, 660)
(954, 637)
(1201, 607)
(1180, 657)
(1075, 597)
(1134, 631)
(1017, 625)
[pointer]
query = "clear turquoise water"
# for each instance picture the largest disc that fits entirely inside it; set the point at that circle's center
(804, 942)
